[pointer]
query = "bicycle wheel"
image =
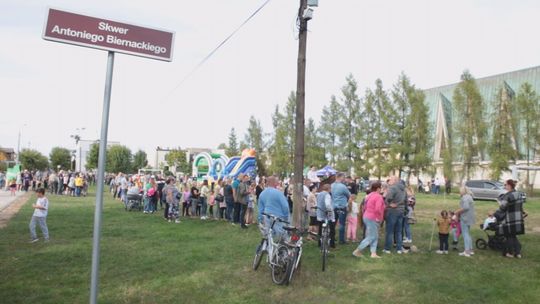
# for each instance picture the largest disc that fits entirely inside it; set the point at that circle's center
(324, 251)
(259, 253)
(280, 265)
(293, 262)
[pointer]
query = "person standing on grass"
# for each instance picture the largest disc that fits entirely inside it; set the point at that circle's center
(512, 214)
(409, 217)
(466, 215)
(186, 204)
(250, 204)
(396, 199)
(373, 214)
(172, 200)
(243, 194)
(205, 193)
(352, 219)
(312, 210)
(443, 223)
(40, 216)
(163, 200)
(237, 205)
(340, 199)
(79, 183)
(228, 194)
(325, 212)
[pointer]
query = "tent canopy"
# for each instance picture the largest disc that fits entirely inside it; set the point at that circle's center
(326, 171)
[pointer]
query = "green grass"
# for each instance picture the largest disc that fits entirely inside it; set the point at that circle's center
(147, 260)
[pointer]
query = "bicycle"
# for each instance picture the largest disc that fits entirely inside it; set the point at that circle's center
(280, 258)
(324, 239)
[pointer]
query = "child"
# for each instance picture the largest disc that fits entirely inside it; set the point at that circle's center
(40, 216)
(352, 219)
(455, 230)
(312, 212)
(12, 187)
(490, 219)
(186, 206)
(409, 217)
(444, 229)
(251, 199)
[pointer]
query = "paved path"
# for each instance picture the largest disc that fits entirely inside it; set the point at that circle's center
(6, 199)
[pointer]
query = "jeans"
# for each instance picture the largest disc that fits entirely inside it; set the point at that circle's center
(443, 242)
(467, 241)
(229, 211)
(372, 236)
(407, 228)
(236, 217)
(77, 191)
(204, 206)
(243, 214)
(42, 225)
(147, 204)
(394, 223)
(341, 217)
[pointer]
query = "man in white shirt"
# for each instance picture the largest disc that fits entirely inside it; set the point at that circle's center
(40, 216)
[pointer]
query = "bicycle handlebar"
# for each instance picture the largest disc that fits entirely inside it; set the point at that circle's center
(275, 218)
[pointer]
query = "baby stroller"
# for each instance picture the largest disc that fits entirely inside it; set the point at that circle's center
(496, 241)
(134, 202)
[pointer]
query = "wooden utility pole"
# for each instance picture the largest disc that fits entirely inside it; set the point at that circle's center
(298, 210)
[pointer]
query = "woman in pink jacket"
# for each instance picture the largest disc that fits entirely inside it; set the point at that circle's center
(373, 215)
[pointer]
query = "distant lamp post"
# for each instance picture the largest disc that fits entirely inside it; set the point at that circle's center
(77, 138)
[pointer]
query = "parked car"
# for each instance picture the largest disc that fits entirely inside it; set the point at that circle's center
(485, 189)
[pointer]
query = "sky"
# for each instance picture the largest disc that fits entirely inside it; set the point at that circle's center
(50, 91)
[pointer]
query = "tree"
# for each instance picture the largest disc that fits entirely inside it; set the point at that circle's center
(281, 150)
(410, 149)
(529, 114)
(60, 158)
(329, 130)
(350, 107)
(178, 159)
(314, 151)
(119, 159)
(92, 157)
(139, 160)
(232, 148)
(501, 147)
(33, 160)
(222, 146)
(379, 120)
(254, 138)
(470, 128)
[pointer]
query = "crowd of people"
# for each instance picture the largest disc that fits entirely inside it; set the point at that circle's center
(228, 199)
(389, 204)
(63, 182)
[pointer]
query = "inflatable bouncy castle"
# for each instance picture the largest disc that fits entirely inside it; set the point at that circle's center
(214, 166)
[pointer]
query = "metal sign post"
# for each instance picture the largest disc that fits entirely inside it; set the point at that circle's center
(112, 36)
(94, 284)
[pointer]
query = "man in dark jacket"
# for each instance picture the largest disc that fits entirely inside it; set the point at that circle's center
(396, 199)
(242, 193)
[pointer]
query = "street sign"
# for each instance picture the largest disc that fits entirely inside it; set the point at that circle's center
(111, 36)
(99, 33)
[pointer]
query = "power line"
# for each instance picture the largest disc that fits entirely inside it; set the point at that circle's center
(216, 48)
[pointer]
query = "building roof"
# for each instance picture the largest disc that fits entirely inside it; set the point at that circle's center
(439, 99)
